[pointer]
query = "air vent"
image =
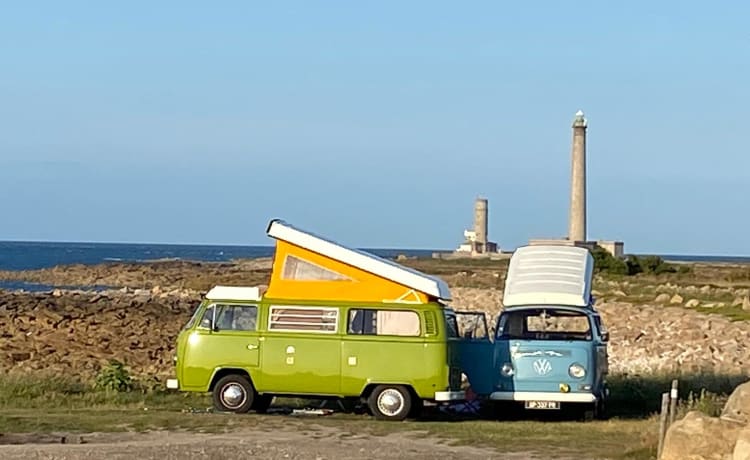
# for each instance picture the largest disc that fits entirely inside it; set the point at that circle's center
(430, 328)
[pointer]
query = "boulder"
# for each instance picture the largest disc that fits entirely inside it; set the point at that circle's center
(692, 303)
(737, 408)
(700, 437)
(677, 298)
(742, 446)
(662, 298)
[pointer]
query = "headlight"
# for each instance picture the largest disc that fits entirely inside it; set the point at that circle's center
(507, 370)
(577, 371)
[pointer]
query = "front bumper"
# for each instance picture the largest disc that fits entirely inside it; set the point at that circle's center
(450, 395)
(543, 396)
(173, 384)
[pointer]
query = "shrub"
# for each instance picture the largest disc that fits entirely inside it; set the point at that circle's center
(114, 377)
(604, 262)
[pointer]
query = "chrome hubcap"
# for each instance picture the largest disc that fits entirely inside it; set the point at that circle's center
(390, 402)
(233, 395)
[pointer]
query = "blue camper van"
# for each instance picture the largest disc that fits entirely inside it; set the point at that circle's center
(548, 348)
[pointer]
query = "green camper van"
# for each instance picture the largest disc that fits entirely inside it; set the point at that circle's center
(246, 345)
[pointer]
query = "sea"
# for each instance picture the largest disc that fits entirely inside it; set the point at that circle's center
(19, 255)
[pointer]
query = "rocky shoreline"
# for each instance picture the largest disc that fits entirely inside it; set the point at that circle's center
(75, 333)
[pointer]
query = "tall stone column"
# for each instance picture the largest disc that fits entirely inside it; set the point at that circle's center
(480, 223)
(577, 222)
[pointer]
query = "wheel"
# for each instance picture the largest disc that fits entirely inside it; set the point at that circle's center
(233, 393)
(390, 402)
(261, 403)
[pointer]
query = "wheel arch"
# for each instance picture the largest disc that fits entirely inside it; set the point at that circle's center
(224, 371)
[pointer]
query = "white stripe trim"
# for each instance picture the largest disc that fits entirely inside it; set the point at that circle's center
(542, 396)
(430, 285)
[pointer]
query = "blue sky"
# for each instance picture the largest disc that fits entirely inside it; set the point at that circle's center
(374, 124)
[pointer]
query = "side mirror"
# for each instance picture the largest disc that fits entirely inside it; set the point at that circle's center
(605, 336)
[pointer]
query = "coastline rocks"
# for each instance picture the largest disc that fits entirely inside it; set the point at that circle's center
(737, 407)
(662, 298)
(700, 437)
(676, 299)
(650, 338)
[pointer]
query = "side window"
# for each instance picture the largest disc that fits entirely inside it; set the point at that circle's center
(303, 319)
(384, 322)
(236, 317)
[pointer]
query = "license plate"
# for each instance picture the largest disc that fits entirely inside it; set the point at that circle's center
(542, 405)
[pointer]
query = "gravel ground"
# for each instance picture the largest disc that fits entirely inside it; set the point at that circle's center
(315, 442)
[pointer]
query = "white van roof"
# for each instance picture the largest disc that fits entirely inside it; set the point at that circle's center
(549, 275)
(430, 285)
(234, 293)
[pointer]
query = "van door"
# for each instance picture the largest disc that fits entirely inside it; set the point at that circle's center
(226, 337)
(301, 351)
(476, 351)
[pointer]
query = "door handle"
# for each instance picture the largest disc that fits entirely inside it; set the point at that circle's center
(252, 347)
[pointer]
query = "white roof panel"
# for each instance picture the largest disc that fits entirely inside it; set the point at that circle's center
(234, 293)
(430, 285)
(549, 275)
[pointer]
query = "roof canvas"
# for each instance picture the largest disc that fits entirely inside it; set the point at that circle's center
(549, 275)
(430, 285)
(234, 293)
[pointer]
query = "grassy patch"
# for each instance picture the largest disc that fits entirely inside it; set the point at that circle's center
(640, 395)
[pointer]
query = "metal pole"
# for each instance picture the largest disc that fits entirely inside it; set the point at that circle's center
(673, 402)
(663, 423)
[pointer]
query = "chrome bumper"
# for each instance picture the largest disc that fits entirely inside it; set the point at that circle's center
(173, 384)
(543, 396)
(450, 395)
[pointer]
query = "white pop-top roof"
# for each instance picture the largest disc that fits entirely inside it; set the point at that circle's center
(549, 275)
(430, 285)
(234, 293)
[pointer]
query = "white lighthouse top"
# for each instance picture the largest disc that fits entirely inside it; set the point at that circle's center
(579, 113)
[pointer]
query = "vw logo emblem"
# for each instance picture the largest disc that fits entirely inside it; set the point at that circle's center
(542, 366)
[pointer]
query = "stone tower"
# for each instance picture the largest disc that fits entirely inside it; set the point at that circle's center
(480, 224)
(577, 222)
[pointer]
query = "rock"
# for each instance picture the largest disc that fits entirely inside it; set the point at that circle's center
(705, 289)
(737, 301)
(619, 293)
(737, 408)
(742, 446)
(746, 304)
(692, 303)
(156, 290)
(662, 298)
(57, 293)
(677, 298)
(698, 436)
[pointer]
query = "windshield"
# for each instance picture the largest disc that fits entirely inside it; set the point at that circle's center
(544, 324)
(192, 318)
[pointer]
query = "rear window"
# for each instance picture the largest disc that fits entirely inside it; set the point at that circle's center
(366, 321)
(544, 324)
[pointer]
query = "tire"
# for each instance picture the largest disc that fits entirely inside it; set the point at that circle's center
(233, 393)
(262, 403)
(390, 402)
